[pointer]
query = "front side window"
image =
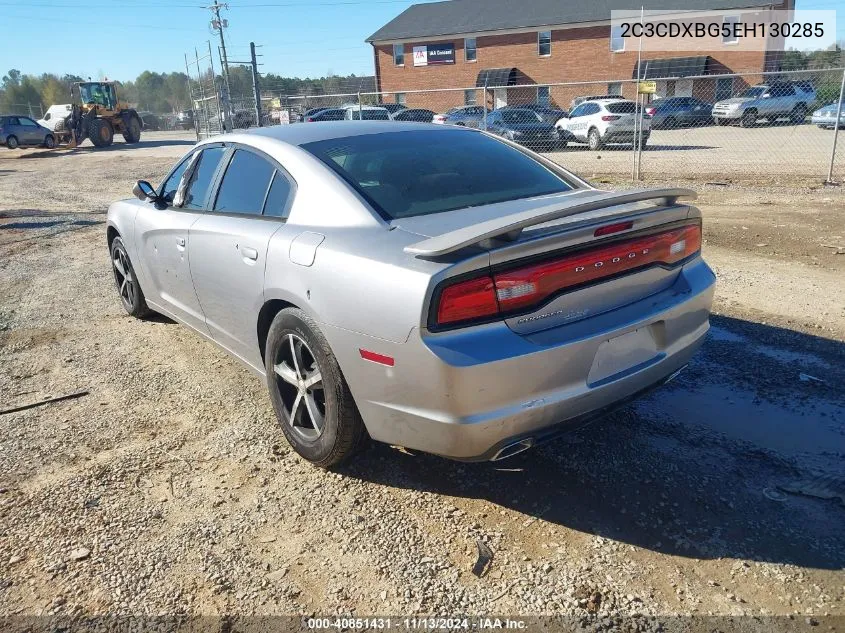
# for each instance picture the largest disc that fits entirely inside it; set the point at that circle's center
(590, 108)
(469, 49)
(203, 175)
(399, 54)
(168, 188)
(419, 172)
(544, 43)
(469, 97)
(245, 184)
(617, 42)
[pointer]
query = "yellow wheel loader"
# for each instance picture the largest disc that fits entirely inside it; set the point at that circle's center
(97, 114)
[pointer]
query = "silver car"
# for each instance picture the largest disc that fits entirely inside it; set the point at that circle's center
(431, 287)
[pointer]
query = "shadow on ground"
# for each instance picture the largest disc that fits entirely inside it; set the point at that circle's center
(662, 475)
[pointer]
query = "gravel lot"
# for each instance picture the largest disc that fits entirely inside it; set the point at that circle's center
(168, 489)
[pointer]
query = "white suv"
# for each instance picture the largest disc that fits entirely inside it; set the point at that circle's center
(603, 121)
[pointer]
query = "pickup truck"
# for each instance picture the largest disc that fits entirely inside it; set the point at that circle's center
(766, 101)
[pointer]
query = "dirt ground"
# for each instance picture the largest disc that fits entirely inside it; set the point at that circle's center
(168, 489)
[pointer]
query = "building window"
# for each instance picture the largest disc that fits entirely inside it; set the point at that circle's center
(400, 98)
(399, 54)
(469, 97)
(469, 49)
(728, 34)
(614, 88)
(543, 95)
(617, 42)
(544, 43)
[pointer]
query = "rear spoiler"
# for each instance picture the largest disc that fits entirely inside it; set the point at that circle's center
(510, 226)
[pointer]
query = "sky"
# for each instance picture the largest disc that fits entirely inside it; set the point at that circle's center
(118, 39)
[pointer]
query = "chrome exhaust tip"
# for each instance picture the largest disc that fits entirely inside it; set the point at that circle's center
(513, 449)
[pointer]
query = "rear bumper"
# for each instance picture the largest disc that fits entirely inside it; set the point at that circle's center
(623, 136)
(467, 394)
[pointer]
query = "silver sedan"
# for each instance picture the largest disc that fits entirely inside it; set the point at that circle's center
(431, 287)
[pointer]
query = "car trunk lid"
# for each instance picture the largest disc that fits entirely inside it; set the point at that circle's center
(565, 257)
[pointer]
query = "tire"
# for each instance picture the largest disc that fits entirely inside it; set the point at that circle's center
(594, 141)
(132, 129)
(722, 121)
(561, 144)
(131, 296)
(49, 142)
(336, 431)
(12, 142)
(101, 132)
(798, 114)
(749, 118)
(643, 142)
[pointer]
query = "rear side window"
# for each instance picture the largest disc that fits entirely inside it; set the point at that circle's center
(419, 172)
(277, 198)
(201, 180)
(244, 184)
(623, 107)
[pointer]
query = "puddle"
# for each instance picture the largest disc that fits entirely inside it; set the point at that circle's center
(812, 433)
(783, 355)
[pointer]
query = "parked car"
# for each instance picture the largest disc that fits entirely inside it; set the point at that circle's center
(673, 112)
(366, 113)
(393, 108)
(597, 123)
(468, 116)
(825, 117)
(766, 101)
(55, 117)
(21, 131)
(523, 126)
(549, 115)
(311, 112)
(328, 114)
(579, 100)
(419, 115)
(243, 118)
(185, 119)
(150, 121)
(410, 336)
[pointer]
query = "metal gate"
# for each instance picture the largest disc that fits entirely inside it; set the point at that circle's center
(205, 95)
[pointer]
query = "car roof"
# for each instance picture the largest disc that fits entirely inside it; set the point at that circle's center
(302, 134)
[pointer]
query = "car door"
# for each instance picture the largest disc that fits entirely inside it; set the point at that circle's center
(572, 124)
(162, 236)
(30, 132)
(229, 247)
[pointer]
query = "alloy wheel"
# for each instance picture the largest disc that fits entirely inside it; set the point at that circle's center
(300, 384)
(125, 280)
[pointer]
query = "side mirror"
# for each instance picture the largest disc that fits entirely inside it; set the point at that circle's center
(144, 191)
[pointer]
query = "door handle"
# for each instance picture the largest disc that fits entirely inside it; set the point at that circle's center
(180, 243)
(249, 253)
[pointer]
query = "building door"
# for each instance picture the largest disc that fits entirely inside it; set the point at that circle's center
(500, 98)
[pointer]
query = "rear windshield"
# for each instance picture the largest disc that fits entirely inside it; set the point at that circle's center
(419, 172)
(622, 107)
(371, 115)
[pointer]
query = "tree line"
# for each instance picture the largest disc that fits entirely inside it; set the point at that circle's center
(157, 92)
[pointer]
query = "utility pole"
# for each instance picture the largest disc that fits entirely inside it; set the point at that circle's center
(256, 88)
(218, 24)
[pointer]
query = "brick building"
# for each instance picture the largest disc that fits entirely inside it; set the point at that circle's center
(470, 44)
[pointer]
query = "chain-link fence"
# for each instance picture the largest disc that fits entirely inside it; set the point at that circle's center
(207, 117)
(32, 110)
(727, 127)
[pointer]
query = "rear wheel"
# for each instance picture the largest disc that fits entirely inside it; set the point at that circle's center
(594, 141)
(131, 295)
(670, 123)
(101, 132)
(749, 118)
(12, 142)
(312, 401)
(132, 130)
(798, 114)
(721, 121)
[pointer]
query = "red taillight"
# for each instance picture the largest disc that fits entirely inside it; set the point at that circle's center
(609, 117)
(515, 290)
(650, 111)
(466, 300)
